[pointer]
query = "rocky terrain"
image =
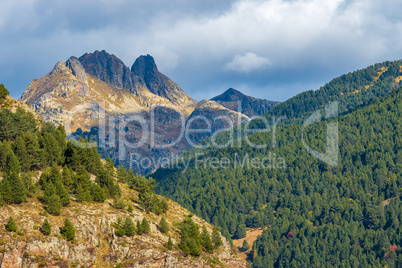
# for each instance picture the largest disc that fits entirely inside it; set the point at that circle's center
(132, 113)
(96, 244)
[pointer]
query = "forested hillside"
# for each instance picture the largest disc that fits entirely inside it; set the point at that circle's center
(317, 215)
(111, 216)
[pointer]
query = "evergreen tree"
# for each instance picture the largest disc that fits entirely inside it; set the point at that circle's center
(11, 226)
(3, 92)
(169, 244)
(130, 208)
(50, 190)
(122, 174)
(145, 226)
(129, 227)
(54, 205)
(240, 231)
(6, 192)
(83, 194)
(120, 232)
(62, 193)
(68, 230)
(18, 188)
(67, 178)
(12, 164)
(98, 194)
(190, 242)
(206, 241)
(46, 227)
(216, 238)
(139, 228)
(164, 226)
(21, 153)
(245, 246)
(110, 166)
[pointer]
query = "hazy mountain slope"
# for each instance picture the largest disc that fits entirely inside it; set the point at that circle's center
(308, 205)
(250, 106)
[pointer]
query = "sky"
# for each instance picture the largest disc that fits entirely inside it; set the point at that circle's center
(270, 49)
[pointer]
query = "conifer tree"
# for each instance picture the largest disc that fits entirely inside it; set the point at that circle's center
(216, 238)
(18, 188)
(206, 241)
(110, 166)
(11, 226)
(139, 228)
(129, 227)
(145, 226)
(46, 227)
(67, 178)
(12, 164)
(97, 193)
(121, 174)
(164, 226)
(21, 153)
(54, 205)
(6, 192)
(3, 92)
(245, 246)
(240, 231)
(190, 242)
(169, 244)
(62, 193)
(68, 230)
(50, 190)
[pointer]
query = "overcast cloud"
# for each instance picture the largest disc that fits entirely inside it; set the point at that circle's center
(270, 49)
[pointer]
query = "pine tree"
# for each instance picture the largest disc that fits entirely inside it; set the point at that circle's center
(120, 232)
(190, 242)
(145, 226)
(68, 230)
(83, 194)
(67, 178)
(139, 228)
(19, 192)
(130, 209)
(3, 92)
(121, 174)
(11, 226)
(20, 150)
(129, 227)
(110, 166)
(169, 244)
(206, 241)
(46, 227)
(245, 246)
(240, 231)
(164, 226)
(12, 164)
(97, 193)
(6, 192)
(62, 192)
(54, 205)
(216, 238)
(50, 190)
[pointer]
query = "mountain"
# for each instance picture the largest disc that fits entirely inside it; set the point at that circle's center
(129, 113)
(315, 214)
(250, 106)
(96, 216)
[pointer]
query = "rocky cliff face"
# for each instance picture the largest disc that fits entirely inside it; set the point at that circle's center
(250, 106)
(96, 244)
(138, 112)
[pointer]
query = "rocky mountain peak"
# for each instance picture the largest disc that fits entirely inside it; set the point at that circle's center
(145, 66)
(76, 68)
(110, 69)
(230, 95)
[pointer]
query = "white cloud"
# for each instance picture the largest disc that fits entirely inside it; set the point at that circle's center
(247, 62)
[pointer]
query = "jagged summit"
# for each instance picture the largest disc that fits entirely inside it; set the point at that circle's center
(110, 69)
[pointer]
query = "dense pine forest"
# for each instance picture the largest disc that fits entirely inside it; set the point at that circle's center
(315, 215)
